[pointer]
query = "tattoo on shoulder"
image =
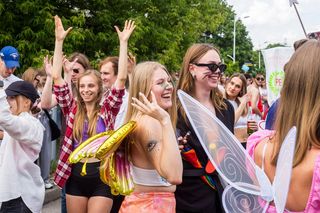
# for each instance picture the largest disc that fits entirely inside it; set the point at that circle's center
(151, 145)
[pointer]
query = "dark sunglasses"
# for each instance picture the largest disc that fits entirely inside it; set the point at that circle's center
(76, 71)
(214, 67)
(260, 79)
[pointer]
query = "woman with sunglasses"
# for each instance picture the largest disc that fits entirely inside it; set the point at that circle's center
(201, 189)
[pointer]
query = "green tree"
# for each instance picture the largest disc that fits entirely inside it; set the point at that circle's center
(165, 28)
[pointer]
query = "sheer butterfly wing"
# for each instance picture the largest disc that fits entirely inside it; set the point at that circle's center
(225, 152)
(283, 171)
(234, 200)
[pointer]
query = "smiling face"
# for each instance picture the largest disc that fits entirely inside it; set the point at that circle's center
(162, 88)
(18, 104)
(233, 88)
(108, 75)
(89, 88)
(202, 75)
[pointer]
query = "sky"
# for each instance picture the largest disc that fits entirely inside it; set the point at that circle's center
(274, 21)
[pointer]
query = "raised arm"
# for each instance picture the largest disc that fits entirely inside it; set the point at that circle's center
(124, 36)
(48, 99)
(60, 34)
(159, 140)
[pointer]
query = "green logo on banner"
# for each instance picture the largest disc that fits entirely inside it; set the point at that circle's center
(276, 81)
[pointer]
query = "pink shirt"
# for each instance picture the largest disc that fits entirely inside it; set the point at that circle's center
(313, 204)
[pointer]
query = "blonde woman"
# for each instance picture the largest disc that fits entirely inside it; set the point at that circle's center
(85, 117)
(154, 154)
(299, 106)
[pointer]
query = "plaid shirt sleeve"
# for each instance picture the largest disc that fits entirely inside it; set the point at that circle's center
(64, 98)
(111, 106)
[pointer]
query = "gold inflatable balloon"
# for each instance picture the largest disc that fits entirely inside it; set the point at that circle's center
(114, 141)
(88, 148)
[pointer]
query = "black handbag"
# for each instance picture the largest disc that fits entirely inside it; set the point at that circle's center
(55, 131)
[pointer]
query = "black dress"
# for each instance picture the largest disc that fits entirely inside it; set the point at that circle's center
(193, 194)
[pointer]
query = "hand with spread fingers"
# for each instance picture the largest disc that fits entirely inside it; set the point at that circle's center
(124, 35)
(151, 108)
(59, 29)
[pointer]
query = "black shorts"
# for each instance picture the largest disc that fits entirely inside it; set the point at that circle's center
(89, 185)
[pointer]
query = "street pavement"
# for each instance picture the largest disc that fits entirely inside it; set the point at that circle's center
(52, 201)
(52, 207)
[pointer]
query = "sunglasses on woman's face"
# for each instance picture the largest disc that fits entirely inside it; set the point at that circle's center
(76, 71)
(213, 67)
(260, 79)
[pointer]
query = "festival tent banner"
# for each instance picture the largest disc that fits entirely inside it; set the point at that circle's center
(274, 60)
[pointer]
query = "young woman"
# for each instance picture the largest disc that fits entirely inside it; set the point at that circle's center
(199, 76)
(85, 117)
(236, 93)
(21, 185)
(154, 154)
(299, 106)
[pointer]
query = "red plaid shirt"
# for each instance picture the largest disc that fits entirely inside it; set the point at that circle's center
(108, 112)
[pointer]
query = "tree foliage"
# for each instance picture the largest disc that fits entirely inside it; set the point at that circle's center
(165, 29)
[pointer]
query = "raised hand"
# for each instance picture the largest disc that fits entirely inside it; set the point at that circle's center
(59, 30)
(151, 108)
(124, 35)
(68, 65)
(48, 65)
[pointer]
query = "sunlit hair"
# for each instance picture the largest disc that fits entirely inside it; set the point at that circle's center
(81, 114)
(141, 82)
(115, 63)
(299, 104)
(186, 81)
(243, 90)
(30, 74)
(82, 59)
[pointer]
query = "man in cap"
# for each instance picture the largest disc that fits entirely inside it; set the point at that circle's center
(9, 62)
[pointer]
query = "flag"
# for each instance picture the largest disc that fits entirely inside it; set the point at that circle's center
(274, 60)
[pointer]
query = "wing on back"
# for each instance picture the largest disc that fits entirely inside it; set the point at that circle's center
(283, 171)
(225, 152)
(234, 200)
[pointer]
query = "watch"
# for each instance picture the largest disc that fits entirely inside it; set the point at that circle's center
(1, 84)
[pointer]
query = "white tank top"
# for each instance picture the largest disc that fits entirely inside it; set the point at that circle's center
(147, 177)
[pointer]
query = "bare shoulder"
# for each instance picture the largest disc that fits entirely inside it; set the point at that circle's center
(258, 152)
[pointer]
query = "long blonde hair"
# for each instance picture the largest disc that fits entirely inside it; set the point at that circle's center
(186, 81)
(141, 82)
(299, 104)
(81, 114)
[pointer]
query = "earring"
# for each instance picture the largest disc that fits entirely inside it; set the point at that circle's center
(193, 75)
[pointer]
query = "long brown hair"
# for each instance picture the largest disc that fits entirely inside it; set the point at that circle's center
(242, 92)
(81, 115)
(186, 81)
(141, 82)
(299, 104)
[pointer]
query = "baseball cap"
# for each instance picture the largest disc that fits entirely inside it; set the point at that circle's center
(10, 56)
(22, 88)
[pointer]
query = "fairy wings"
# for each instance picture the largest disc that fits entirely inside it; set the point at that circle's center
(248, 189)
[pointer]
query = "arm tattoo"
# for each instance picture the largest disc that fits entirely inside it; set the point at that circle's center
(151, 145)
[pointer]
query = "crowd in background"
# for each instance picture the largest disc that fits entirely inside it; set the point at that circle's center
(169, 166)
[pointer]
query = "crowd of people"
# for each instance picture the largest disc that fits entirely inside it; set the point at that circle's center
(170, 169)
